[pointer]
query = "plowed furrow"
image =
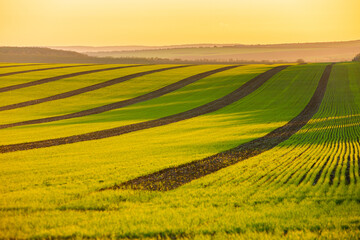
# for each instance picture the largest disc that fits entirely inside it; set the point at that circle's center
(347, 171)
(174, 177)
(332, 175)
(318, 175)
(85, 89)
(51, 79)
(307, 172)
(234, 96)
(120, 104)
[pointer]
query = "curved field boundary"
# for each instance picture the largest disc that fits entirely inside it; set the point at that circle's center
(85, 89)
(43, 69)
(234, 96)
(174, 177)
(124, 103)
(22, 65)
(51, 79)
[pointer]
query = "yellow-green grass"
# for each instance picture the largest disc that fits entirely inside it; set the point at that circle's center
(144, 215)
(122, 91)
(71, 83)
(10, 64)
(331, 136)
(53, 192)
(19, 64)
(26, 68)
(124, 157)
(20, 78)
(35, 67)
(188, 97)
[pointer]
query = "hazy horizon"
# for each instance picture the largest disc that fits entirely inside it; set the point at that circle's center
(181, 44)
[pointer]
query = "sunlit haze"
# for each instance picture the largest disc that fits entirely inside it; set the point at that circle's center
(164, 22)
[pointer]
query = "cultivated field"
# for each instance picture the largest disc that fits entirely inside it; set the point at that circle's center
(180, 151)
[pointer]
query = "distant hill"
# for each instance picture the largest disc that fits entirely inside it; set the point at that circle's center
(37, 54)
(47, 55)
(89, 49)
(191, 53)
(289, 52)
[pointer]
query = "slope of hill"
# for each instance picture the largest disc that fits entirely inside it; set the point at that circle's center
(191, 53)
(47, 55)
(38, 54)
(83, 49)
(250, 152)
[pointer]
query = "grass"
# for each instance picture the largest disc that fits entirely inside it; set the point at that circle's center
(183, 141)
(56, 188)
(191, 96)
(32, 76)
(65, 84)
(13, 64)
(118, 92)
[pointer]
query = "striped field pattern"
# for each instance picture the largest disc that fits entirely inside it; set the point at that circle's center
(180, 151)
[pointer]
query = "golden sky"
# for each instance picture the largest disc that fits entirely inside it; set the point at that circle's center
(163, 22)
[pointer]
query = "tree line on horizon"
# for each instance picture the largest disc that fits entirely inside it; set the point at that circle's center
(357, 58)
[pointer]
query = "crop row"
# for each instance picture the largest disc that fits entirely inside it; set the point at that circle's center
(116, 159)
(320, 161)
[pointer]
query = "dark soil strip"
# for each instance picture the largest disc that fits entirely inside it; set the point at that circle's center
(234, 96)
(85, 89)
(318, 175)
(358, 158)
(340, 170)
(174, 177)
(43, 69)
(10, 66)
(332, 174)
(354, 170)
(51, 79)
(358, 165)
(120, 104)
(347, 171)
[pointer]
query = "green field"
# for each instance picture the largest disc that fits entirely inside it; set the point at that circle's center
(306, 187)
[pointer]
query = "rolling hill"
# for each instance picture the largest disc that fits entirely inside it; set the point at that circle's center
(131, 151)
(310, 52)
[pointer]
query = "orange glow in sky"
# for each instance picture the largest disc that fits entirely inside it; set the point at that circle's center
(163, 22)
